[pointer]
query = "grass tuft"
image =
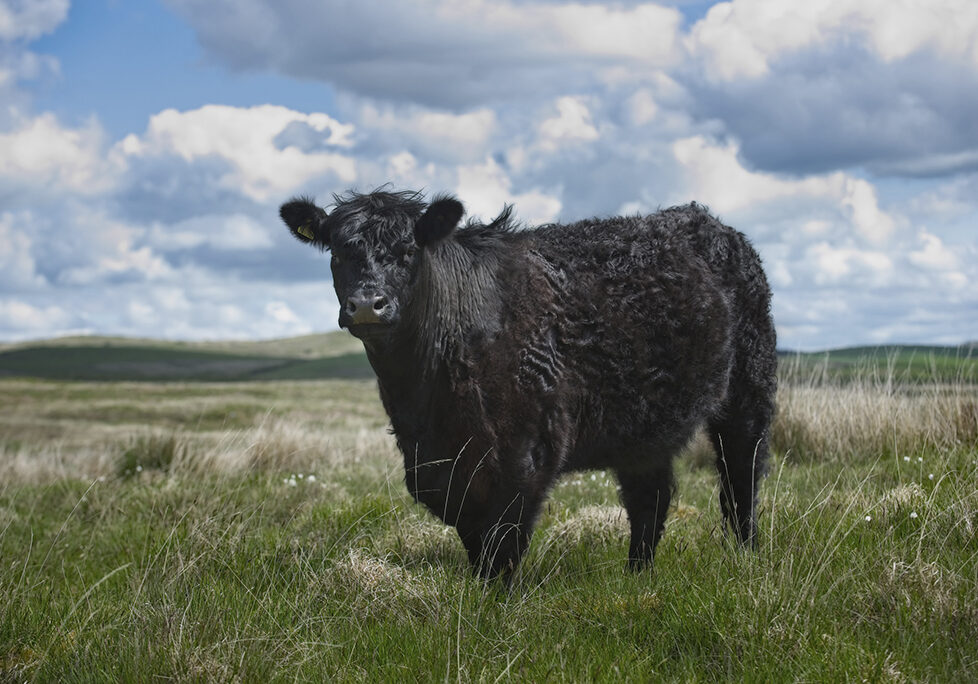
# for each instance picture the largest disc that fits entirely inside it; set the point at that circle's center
(152, 452)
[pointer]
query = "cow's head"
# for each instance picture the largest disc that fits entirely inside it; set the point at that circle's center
(374, 240)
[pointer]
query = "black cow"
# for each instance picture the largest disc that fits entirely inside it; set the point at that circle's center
(507, 357)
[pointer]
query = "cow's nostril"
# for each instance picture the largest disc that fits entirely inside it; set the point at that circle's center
(380, 303)
(351, 307)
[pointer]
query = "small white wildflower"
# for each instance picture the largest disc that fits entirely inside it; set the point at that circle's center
(285, 481)
(869, 518)
(931, 476)
(913, 515)
(920, 459)
(907, 459)
(101, 478)
(293, 483)
(311, 478)
(593, 477)
(299, 476)
(139, 469)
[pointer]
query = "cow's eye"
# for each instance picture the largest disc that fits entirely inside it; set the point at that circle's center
(404, 255)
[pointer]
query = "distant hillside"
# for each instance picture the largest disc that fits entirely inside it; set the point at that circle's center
(340, 355)
(330, 355)
(901, 362)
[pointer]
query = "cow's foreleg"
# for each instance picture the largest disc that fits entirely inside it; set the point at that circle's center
(496, 540)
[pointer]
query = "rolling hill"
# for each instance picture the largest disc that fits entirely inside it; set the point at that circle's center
(330, 355)
(339, 355)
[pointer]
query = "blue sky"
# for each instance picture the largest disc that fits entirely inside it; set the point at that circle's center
(145, 147)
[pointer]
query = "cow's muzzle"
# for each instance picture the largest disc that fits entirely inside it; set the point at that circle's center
(365, 308)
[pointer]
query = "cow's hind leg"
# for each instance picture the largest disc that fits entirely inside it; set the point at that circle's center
(740, 439)
(645, 494)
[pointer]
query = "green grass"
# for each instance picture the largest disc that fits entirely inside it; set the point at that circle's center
(261, 530)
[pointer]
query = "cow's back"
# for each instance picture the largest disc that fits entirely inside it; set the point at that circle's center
(625, 330)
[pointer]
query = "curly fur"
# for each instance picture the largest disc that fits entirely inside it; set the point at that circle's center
(513, 356)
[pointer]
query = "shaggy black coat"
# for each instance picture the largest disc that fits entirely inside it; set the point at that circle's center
(506, 357)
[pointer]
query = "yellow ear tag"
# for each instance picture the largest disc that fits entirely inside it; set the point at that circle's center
(305, 231)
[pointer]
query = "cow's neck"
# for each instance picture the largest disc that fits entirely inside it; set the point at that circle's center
(455, 298)
(455, 301)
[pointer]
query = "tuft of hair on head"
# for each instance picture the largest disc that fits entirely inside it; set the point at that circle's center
(305, 220)
(438, 221)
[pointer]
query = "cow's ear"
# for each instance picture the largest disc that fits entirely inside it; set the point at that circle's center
(306, 221)
(438, 222)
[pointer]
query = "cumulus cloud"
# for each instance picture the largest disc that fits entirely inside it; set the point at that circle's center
(224, 232)
(18, 66)
(435, 134)
(22, 320)
(810, 88)
(246, 140)
(486, 189)
(842, 107)
(822, 85)
(436, 52)
(29, 19)
(718, 178)
(40, 152)
(849, 265)
(740, 39)
(572, 124)
(18, 268)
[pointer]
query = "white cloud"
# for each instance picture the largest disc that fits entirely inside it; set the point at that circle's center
(739, 39)
(642, 107)
(224, 232)
(18, 269)
(447, 53)
(859, 196)
(717, 178)
(933, 255)
(572, 124)
(936, 257)
(485, 189)
(41, 153)
(25, 66)
(20, 319)
(646, 33)
(30, 19)
(849, 264)
(140, 263)
(84, 245)
(780, 274)
(280, 312)
(437, 134)
(246, 139)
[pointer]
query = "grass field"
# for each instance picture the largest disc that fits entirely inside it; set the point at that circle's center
(253, 530)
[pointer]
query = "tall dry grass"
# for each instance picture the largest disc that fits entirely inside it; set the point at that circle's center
(319, 427)
(822, 416)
